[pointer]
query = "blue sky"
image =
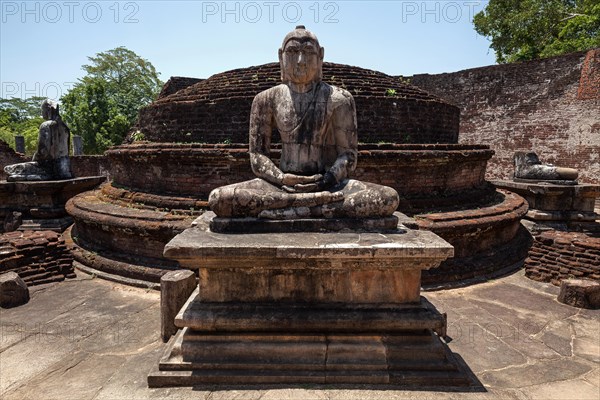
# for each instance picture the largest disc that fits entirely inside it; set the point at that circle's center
(43, 44)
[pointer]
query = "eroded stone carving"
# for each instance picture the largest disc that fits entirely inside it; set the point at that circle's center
(317, 125)
(529, 166)
(51, 160)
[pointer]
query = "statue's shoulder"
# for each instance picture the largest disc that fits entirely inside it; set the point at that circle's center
(273, 91)
(271, 94)
(48, 124)
(339, 96)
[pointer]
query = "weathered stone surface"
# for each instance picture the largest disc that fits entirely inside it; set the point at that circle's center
(195, 244)
(583, 293)
(306, 307)
(51, 160)
(304, 317)
(13, 291)
(427, 175)
(475, 230)
(175, 288)
(77, 145)
(20, 144)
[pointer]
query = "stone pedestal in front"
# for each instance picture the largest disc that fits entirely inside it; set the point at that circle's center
(310, 307)
(553, 204)
(42, 203)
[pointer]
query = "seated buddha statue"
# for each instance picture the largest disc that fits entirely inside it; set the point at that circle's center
(317, 125)
(51, 159)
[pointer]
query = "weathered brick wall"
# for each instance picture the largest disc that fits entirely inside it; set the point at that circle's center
(551, 106)
(557, 255)
(8, 156)
(38, 257)
(589, 83)
(217, 110)
(95, 165)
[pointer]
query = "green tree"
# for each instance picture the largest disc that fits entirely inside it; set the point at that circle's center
(529, 29)
(104, 104)
(21, 117)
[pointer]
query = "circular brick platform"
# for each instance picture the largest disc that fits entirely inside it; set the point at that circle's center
(159, 188)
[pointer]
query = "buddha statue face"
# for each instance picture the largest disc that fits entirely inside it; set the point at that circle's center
(301, 58)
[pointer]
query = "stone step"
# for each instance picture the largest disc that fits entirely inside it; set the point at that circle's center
(298, 359)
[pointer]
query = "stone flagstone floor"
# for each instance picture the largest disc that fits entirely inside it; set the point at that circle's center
(92, 339)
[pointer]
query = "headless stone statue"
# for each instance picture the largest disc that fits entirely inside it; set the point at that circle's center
(317, 125)
(529, 167)
(51, 160)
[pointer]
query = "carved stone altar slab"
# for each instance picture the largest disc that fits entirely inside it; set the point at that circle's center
(312, 307)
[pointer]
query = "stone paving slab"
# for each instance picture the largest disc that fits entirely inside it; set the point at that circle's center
(93, 339)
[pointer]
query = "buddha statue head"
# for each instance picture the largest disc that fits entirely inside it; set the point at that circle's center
(49, 109)
(301, 58)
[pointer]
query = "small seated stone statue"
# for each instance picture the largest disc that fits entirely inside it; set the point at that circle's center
(528, 166)
(51, 160)
(317, 125)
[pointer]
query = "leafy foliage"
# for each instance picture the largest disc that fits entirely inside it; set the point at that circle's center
(104, 104)
(20, 117)
(529, 29)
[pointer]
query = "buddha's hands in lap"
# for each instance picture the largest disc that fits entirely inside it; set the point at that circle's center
(307, 184)
(300, 184)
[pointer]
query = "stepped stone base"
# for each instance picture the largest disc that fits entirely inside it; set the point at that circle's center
(311, 307)
(411, 359)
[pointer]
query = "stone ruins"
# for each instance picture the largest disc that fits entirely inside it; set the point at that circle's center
(32, 205)
(295, 215)
(51, 160)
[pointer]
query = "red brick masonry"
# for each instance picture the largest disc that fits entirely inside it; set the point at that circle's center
(38, 257)
(557, 255)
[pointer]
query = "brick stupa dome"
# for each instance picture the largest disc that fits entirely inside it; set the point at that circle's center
(217, 109)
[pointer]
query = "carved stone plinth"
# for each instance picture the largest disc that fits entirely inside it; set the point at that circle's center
(551, 203)
(312, 307)
(42, 203)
